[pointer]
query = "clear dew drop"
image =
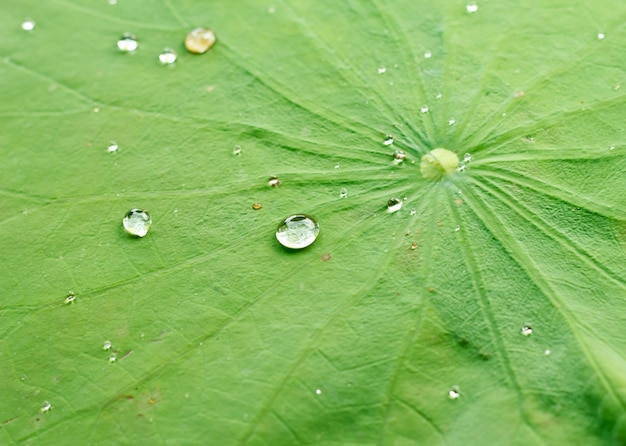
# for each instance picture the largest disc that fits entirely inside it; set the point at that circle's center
(601, 36)
(547, 352)
(128, 43)
(70, 298)
(454, 393)
(467, 157)
(424, 108)
(394, 205)
(399, 156)
(388, 140)
(428, 55)
(168, 56)
(112, 147)
(382, 70)
(527, 330)
(457, 228)
(24, 378)
(28, 25)
(45, 407)
(439, 96)
(273, 181)
(237, 150)
(297, 231)
(137, 222)
(451, 121)
(318, 391)
(413, 212)
(461, 167)
(112, 357)
(343, 192)
(471, 8)
(200, 40)
(106, 345)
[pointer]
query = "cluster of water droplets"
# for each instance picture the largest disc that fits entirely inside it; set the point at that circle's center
(467, 158)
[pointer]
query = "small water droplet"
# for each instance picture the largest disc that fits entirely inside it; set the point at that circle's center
(471, 8)
(413, 212)
(318, 391)
(388, 140)
(617, 87)
(451, 121)
(394, 204)
(128, 43)
(467, 157)
(612, 148)
(70, 298)
(168, 56)
(112, 147)
(343, 192)
(24, 378)
(237, 150)
(199, 40)
(137, 222)
(399, 156)
(45, 407)
(428, 55)
(337, 166)
(601, 36)
(413, 245)
(112, 357)
(461, 167)
(106, 345)
(257, 206)
(273, 181)
(297, 231)
(457, 228)
(424, 108)
(547, 353)
(382, 70)
(28, 25)
(454, 393)
(439, 96)
(527, 330)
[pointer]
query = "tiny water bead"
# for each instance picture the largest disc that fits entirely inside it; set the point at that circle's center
(454, 393)
(471, 8)
(461, 167)
(437, 163)
(399, 156)
(388, 140)
(424, 109)
(168, 56)
(45, 407)
(457, 228)
(547, 353)
(394, 205)
(273, 181)
(451, 121)
(467, 157)
(28, 24)
(112, 147)
(128, 43)
(297, 231)
(112, 357)
(257, 206)
(527, 330)
(428, 55)
(106, 345)
(343, 192)
(200, 40)
(137, 222)
(237, 150)
(318, 391)
(382, 70)
(70, 298)
(601, 36)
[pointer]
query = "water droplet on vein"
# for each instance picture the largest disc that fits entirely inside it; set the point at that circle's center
(297, 231)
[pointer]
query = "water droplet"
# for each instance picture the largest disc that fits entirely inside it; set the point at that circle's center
(413, 245)
(106, 345)
(601, 36)
(388, 140)
(128, 43)
(28, 25)
(112, 357)
(297, 231)
(168, 56)
(237, 150)
(399, 156)
(428, 55)
(467, 157)
(70, 298)
(257, 206)
(45, 407)
(471, 8)
(24, 378)
(273, 181)
(318, 391)
(527, 330)
(460, 166)
(617, 87)
(343, 192)
(454, 393)
(413, 212)
(612, 148)
(199, 40)
(337, 166)
(137, 222)
(112, 147)
(547, 353)
(424, 108)
(451, 121)
(439, 96)
(382, 70)
(457, 228)
(394, 204)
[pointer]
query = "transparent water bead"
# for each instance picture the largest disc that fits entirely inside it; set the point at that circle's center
(527, 330)
(600, 36)
(454, 393)
(428, 55)
(424, 109)
(70, 298)
(28, 24)
(343, 192)
(112, 357)
(128, 43)
(112, 147)
(388, 140)
(451, 121)
(394, 205)
(45, 407)
(137, 222)
(106, 345)
(467, 157)
(273, 181)
(168, 56)
(237, 150)
(471, 8)
(382, 70)
(318, 391)
(200, 40)
(297, 231)
(461, 167)
(399, 156)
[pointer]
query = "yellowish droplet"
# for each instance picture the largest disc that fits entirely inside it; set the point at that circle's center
(257, 206)
(200, 40)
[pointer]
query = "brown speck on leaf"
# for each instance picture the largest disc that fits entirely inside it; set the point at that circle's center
(458, 201)
(210, 89)
(519, 94)
(257, 206)
(325, 257)
(431, 290)
(152, 401)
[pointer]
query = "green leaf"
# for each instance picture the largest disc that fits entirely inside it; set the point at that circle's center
(221, 335)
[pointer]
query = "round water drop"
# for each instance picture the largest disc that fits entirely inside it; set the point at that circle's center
(28, 25)
(200, 40)
(382, 70)
(128, 43)
(471, 8)
(414, 245)
(45, 407)
(71, 297)
(394, 205)
(168, 56)
(273, 181)
(388, 140)
(601, 36)
(237, 150)
(527, 330)
(112, 357)
(460, 166)
(137, 222)
(413, 212)
(457, 228)
(399, 156)
(547, 353)
(451, 121)
(424, 109)
(454, 393)
(428, 55)
(112, 147)
(343, 192)
(106, 345)
(318, 391)
(297, 231)
(467, 157)
(337, 166)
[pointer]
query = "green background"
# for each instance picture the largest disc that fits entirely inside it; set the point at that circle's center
(224, 337)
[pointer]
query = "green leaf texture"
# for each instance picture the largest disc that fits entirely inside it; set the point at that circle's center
(224, 337)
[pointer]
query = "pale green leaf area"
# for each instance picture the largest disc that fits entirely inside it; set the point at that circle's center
(224, 337)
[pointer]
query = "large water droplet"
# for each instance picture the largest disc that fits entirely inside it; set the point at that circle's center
(168, 56)
(297, 231)
(199, 40)
(137, 222)
(28, 25)
(454, 393)
(237, 150)
(388, 140)
(527, 330)
(437, 163)
(106, 345)
(128, 43)
(45, 407)
(112, 147)
(394, 205)
(471, 8)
